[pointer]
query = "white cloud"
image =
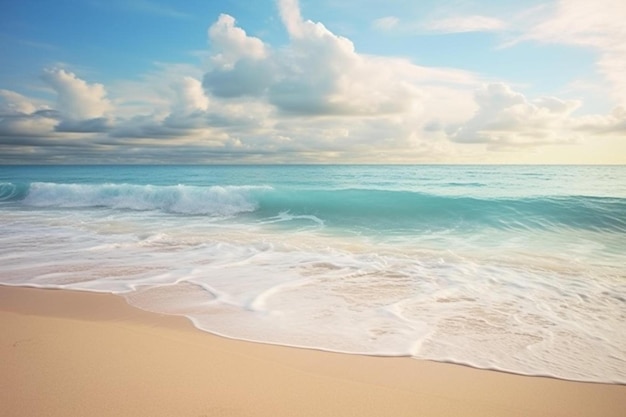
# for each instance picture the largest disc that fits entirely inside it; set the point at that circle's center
(189, 96)
(14, 103)
(315, 98)
(232, 44)
(80, 108)
(21, 117)
(155, 92)
(610, 124)
(37, 124)
(318, 72)
(239, 64)
(76, 99)
(506, 118)
(593, 24)
(291, 17)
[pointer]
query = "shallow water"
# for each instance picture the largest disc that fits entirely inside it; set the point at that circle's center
(516, 268)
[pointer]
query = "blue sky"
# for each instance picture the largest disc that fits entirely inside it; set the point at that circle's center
(342, 81)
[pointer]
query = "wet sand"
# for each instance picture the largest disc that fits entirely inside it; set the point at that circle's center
(65, 353)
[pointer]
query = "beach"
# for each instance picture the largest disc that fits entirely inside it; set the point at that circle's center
(67, 353)
(510, 268)
(328, 209)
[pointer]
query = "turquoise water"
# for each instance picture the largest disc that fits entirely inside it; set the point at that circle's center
(517, 268)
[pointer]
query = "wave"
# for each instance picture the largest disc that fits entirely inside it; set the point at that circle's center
(180, 199)
(11, 192)
(414, 210)
(389, 210)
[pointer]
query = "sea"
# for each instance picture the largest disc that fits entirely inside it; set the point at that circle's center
(513, 268)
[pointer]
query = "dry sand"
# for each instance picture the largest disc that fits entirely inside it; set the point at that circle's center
(66, 353)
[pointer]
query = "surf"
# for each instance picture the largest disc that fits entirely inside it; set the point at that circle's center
(180, 199)
(362, 208)
(511, 268)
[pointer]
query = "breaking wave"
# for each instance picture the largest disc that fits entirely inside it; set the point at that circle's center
(364, 208)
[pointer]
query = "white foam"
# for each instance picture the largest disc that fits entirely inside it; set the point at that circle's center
(215, 200)
(490, 307)
(285, 216)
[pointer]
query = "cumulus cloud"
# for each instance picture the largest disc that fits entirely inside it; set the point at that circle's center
(246, 78)
(189, 96)
(232, 43)
(507, 118)
(315, 98)
(15, 103)
(80, 108)
(291, 17)
(186, 111)
(95, 125)
(321, 73)
(599, 124)
(37, 124)
(76, 99)
(317, 73)
(21, 116)
(239, 61)
(256, 101)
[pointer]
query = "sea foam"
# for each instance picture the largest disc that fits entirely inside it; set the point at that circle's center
(438, 267)
(183, 199)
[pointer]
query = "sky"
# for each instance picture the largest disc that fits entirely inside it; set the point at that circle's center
(312, 81)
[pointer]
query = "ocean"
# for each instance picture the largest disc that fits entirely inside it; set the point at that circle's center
(514, 268)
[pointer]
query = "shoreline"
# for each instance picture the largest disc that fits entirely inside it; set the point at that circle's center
(65, 353)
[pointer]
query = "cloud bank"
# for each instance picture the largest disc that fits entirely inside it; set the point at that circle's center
(314, 99)
(506, 118)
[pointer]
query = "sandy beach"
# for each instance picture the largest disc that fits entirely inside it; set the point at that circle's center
(67, 353)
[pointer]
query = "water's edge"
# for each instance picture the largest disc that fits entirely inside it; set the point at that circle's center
(217, 334)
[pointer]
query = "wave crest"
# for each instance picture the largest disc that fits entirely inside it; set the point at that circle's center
(392, 211)
(218, 201)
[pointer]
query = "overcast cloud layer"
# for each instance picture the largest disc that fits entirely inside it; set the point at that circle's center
(317, 99)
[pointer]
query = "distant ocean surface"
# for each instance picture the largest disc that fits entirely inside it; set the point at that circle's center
(515, 268)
